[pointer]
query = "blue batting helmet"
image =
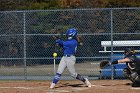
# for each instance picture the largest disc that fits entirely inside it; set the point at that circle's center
(71, 33)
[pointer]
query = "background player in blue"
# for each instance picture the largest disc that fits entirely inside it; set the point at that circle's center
(132, 71)
(68, 60)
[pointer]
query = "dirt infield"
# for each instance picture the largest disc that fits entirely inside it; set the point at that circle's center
(98, 86)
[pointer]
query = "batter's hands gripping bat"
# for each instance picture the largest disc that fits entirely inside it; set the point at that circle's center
(56, 46)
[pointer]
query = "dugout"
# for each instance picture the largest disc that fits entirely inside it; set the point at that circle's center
(117, 70)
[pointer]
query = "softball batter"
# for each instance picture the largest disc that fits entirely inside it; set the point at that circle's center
(68, 60)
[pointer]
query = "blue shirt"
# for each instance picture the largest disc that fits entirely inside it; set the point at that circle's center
(69, 46)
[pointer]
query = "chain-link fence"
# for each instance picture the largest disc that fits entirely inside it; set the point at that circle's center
(27, 40)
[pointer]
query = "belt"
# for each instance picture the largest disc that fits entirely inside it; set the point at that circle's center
(68, 55)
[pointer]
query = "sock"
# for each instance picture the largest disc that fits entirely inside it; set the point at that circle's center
(56, 78)
(79, 77)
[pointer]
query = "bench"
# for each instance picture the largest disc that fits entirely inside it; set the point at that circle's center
(125, 43)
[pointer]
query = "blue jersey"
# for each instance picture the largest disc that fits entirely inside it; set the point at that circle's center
(69, 46)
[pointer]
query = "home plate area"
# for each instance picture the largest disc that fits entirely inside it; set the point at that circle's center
(68, 86)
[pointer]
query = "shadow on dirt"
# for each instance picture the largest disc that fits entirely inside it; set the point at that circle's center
(127, 84)
(71, 85)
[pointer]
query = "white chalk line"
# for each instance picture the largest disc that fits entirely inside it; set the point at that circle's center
(56, 90)
(135, 88)
(65, 91)
(32, 88)
(17, 87)
(113, 88)
(98, 86)
(78, 89)
(46, 90)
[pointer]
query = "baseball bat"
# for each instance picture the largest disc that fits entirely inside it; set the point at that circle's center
(56, 50)
(54, 58)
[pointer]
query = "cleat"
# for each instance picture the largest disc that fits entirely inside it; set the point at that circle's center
(88, 84)
(136, 82)
(52, 86)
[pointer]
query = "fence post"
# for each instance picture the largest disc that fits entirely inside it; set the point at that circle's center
(24, 40)
(112, 68)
